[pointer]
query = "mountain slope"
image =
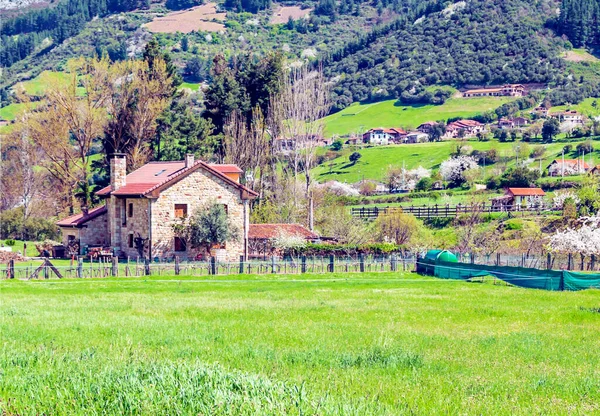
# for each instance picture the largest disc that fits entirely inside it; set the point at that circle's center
(478, 42)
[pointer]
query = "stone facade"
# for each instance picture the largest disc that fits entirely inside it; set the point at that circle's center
(93, 233)
(136, 224)
(197, 190)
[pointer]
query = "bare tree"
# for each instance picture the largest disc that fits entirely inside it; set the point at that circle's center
(249, 148)
(137, 95)
(72, 119)
(296, 115)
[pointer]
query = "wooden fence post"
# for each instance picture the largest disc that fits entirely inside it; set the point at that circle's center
(80, 267)
(331, 263)
(548, 261)
(242, 264)
(11, 269)
(361, 262)
(177, 267)
(497, 259)
(114, 270)
(147, 266)
(213, 265)
(569, 261)
(393, 263)
(273, 265)
(303, 265)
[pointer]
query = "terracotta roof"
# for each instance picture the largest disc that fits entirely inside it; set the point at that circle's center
(482, 90)
(461, 124)
(226, 168)
(268, 231)
(80, 219)
(526, 191)
(155, 176)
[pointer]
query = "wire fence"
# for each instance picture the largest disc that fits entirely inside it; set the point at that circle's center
(143, 267)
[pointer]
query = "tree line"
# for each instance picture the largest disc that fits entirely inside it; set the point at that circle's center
(23, 34)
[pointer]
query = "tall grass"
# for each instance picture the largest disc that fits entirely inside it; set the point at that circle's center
(351, 344)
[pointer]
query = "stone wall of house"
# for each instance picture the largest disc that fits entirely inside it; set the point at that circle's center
(137, 224)
(199, 189)
(95, 232)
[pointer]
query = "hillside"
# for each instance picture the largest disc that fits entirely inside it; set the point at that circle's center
(375, 160)
(391, 113)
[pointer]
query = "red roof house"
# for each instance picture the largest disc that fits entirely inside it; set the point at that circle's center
(142, 207)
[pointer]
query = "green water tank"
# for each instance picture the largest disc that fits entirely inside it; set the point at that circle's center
(447, 257)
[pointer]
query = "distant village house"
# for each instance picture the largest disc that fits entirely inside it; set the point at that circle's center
(382, 137)
(508, 90)
(568, 167)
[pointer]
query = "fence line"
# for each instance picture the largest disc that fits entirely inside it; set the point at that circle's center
(444, 211)
(143, 267)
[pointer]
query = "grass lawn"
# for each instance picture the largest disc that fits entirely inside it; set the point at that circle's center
(189, 85)
(11, 111)
(356, 344)
(38, 85)
(584, 107)
(360, 117)
(376, 160)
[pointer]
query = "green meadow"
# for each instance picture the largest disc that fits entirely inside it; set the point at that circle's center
(337, 344)
(360, 117)
(375, 161)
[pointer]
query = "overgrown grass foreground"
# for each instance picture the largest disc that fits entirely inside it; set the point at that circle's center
(337, 344)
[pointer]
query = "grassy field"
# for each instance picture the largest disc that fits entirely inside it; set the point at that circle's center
(360, 117)
(189, 85)
(584, 107)
(38, 85)
(376, 160)
(341, 344)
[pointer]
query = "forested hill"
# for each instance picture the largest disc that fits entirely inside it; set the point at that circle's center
(473, 42)
(370, 49)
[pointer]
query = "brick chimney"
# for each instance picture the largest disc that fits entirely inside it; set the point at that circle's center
(189, 160)
(118, 171)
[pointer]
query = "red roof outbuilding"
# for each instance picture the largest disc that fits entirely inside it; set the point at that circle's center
(270, 231)
(81, 218)
(526, 191)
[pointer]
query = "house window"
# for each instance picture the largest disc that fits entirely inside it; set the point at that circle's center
(130, 242)
(130, 210)
(123, 213)
(180, 210)
(179, 244)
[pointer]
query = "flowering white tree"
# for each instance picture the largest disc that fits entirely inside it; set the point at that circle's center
(559, 198)
(453, 169)
(584, 240)
(289, 243)
(413, 176)
(569, 169)
(340, 189)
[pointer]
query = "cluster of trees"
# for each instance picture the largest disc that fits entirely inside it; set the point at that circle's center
(182, 4)
(21, 35)
(486, 42)
(579, 21)
(252, 6)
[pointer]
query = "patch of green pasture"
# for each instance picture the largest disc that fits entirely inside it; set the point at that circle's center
(37, 86)
(360, 117)
(375, 161)
(189, 85)
(357, 344)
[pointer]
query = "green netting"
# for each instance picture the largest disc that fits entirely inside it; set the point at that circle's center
(518, 276)
(580, 281)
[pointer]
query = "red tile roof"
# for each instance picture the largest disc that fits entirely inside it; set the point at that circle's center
(461, 124)
(226, 168)
(268, 231)
(155, 176)
(80, 219)
(526, 191)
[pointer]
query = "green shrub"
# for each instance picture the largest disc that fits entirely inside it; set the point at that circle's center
(514, 224)
(10, 242)
(438, 222)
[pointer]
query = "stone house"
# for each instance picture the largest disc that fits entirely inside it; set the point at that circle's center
(508, 90)
(466, 128)
(141, 208)
(383, 136)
